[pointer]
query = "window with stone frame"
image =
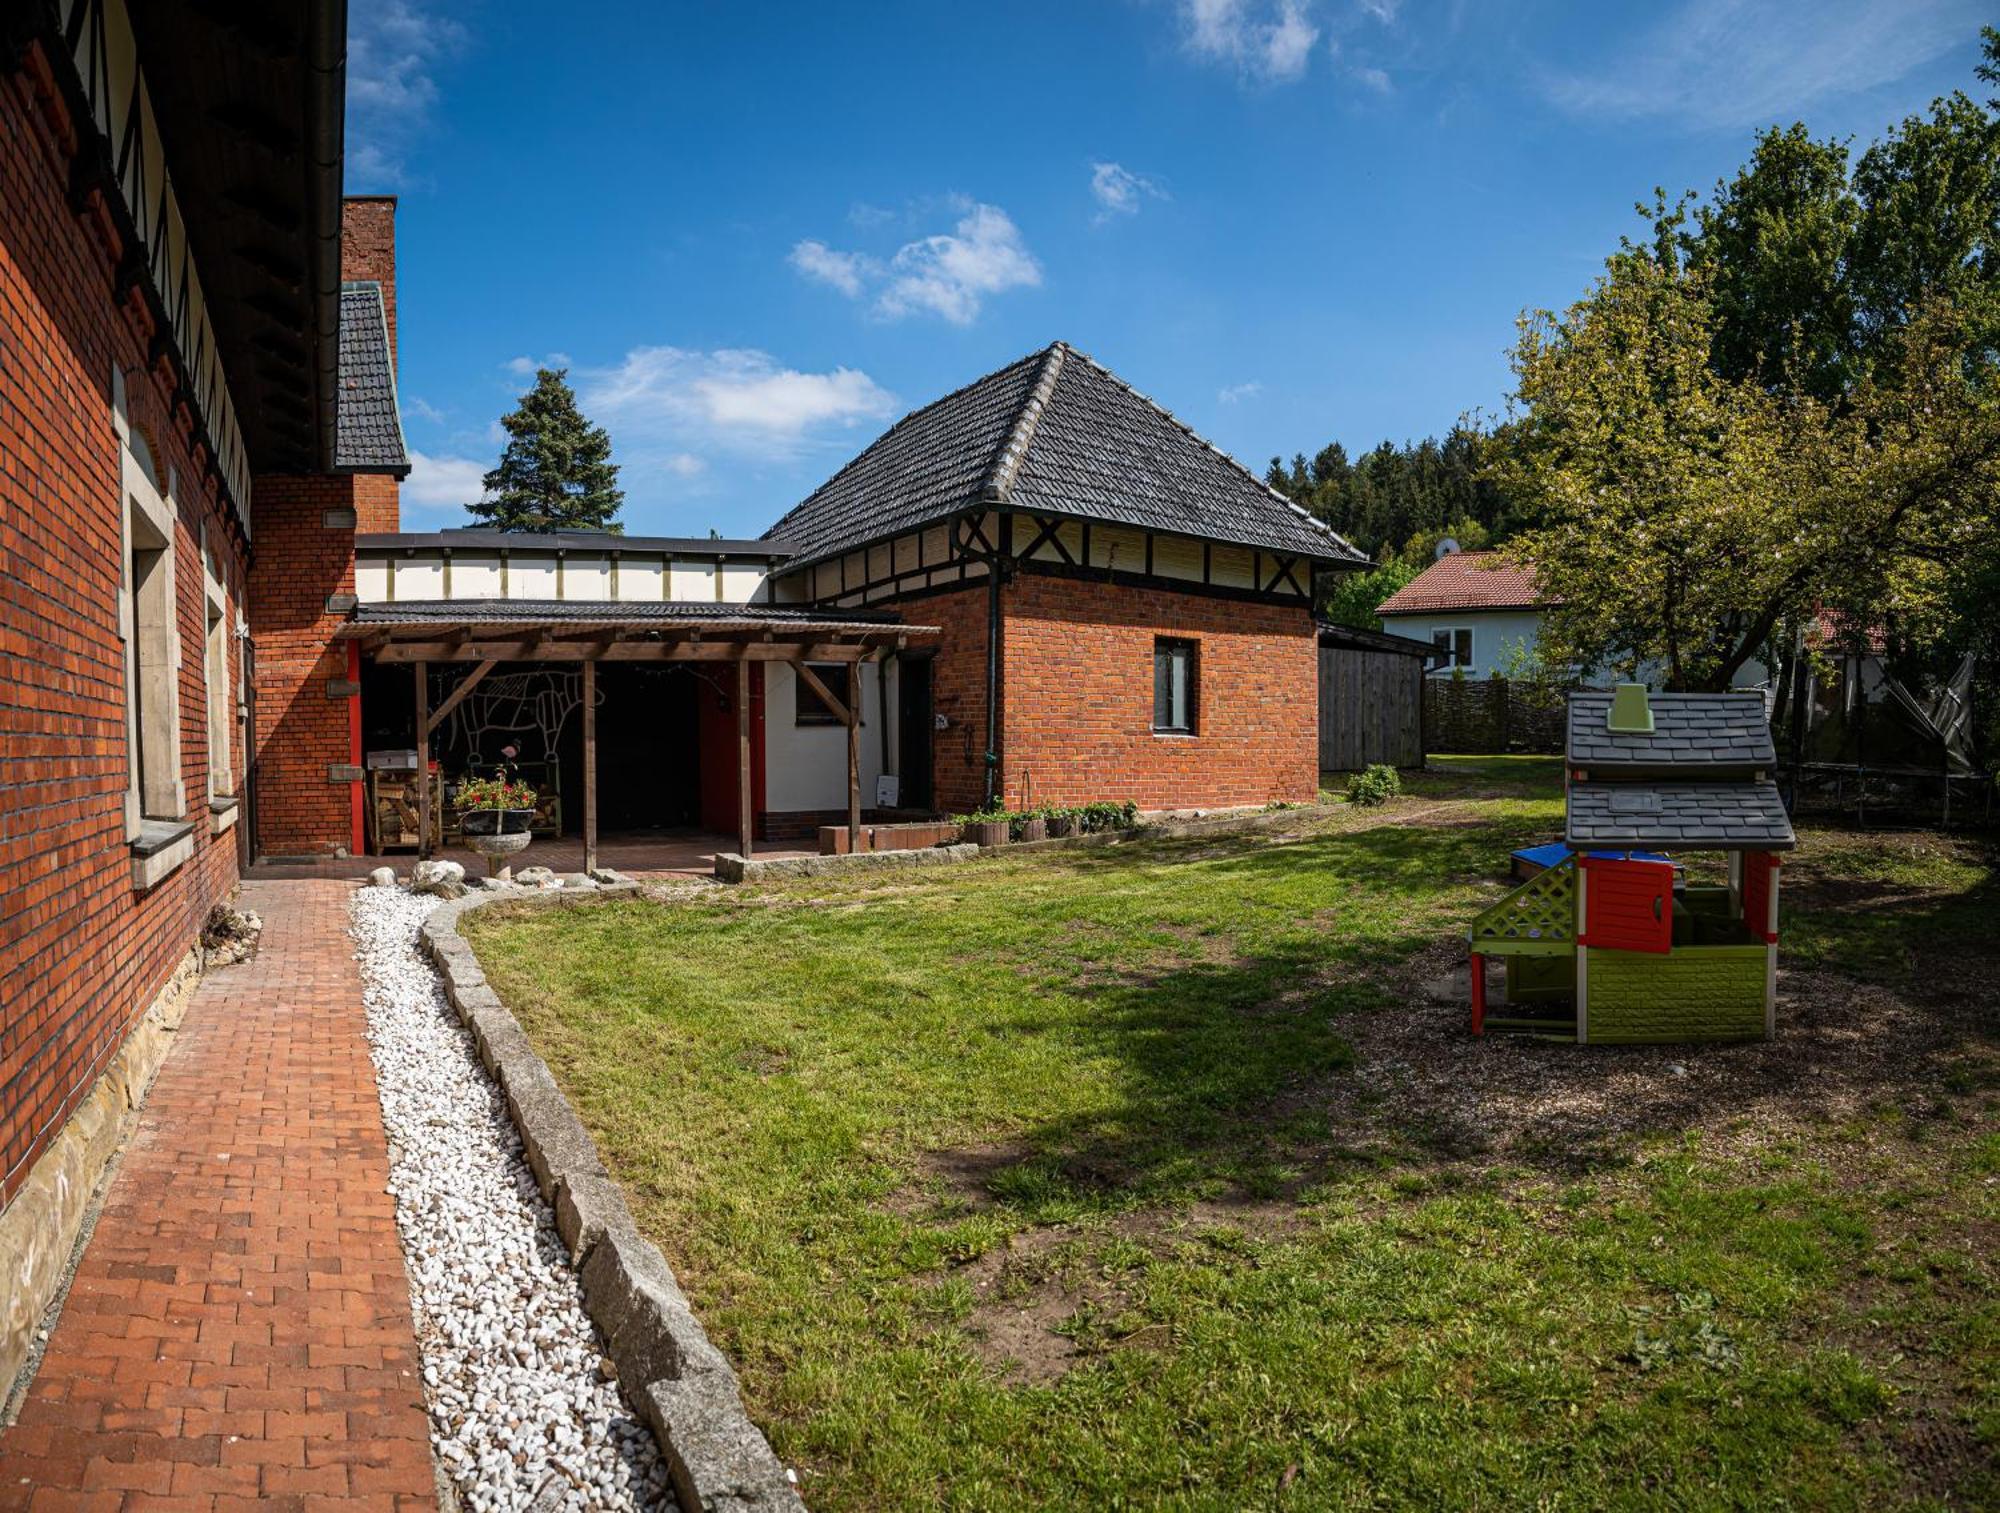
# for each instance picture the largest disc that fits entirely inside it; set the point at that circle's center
(148, 623)
(215, 667)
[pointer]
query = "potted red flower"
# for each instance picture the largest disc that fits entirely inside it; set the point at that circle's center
(495, 814)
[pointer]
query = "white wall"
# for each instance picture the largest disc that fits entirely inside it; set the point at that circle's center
(643, 577)
(1496, 634)
(805, 766)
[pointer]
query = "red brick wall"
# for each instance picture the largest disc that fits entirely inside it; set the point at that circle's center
(301, 561)
(1078, 713)
(377, 503)
(958, 692)
(368, 248)
(81, 954)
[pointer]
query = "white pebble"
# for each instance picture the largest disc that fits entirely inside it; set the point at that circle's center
(510, 1359)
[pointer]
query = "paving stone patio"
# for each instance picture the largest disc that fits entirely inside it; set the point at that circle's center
(239, 1326)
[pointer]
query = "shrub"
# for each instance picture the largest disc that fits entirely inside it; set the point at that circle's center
(1085, 818)
(1374, 785)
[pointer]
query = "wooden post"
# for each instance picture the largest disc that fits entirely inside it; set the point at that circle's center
(854, 759)
(745, 817)
(423, 672)
(589, 765)
(1478, 994)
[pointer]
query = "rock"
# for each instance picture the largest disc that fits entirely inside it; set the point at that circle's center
(443, 879)
(536, 877)
(383, 877)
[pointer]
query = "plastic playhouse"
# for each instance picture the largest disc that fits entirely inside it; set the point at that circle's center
(1607, 940)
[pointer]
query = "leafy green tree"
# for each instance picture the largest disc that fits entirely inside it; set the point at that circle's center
(556, 473)
(1688, 518)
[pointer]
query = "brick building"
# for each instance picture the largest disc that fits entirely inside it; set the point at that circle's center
(171, 337)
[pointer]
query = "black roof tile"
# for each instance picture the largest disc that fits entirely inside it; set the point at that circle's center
(1711, 816)
(1689, 730)
(1057, 434)
(369, 428)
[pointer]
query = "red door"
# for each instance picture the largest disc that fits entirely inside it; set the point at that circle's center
(1760, 871)
(1627, 905)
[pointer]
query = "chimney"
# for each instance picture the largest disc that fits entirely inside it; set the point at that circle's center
(368, 250)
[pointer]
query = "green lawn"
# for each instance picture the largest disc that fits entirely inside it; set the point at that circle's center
(1152, 1175)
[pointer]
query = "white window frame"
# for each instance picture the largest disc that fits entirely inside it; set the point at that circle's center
(149, 627)
(217, 623)
(1445, 668)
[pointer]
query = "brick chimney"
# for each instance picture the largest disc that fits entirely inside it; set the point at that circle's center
(368, 249)
(368, 253)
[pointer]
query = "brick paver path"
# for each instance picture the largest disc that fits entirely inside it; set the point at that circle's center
(240, 1322)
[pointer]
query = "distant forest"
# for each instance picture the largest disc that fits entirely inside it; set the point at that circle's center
(1396, 503)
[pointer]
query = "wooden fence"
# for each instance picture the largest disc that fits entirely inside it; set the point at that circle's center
(1474, 715)
(1371, 708)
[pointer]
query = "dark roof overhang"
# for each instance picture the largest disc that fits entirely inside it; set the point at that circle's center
(250, 99)
(1373, 640)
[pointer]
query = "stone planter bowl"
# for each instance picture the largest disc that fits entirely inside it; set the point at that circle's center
(499, 835)
(495, 822)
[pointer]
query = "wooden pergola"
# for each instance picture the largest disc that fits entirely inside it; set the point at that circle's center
(418, 636)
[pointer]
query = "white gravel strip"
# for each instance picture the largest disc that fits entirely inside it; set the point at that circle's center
(522, 1411)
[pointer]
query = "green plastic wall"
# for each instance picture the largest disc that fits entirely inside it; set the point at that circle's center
(1690, 993)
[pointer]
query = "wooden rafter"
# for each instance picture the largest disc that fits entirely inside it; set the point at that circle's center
(458, 694)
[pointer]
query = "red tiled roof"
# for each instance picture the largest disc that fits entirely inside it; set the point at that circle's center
(1465, 580)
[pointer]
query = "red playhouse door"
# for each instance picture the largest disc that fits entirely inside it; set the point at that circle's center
(1627, 905)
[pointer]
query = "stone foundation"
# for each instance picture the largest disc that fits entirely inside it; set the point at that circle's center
(39, 1228)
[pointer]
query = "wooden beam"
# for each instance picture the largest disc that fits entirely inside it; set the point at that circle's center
(744, 814)
(838, 706)
(589, 768)
(853, 760)
(458, 694)
(423, 759)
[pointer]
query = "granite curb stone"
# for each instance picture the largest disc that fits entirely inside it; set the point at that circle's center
(679, 1382)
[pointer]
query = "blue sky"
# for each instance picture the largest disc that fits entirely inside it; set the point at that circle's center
(758, 233)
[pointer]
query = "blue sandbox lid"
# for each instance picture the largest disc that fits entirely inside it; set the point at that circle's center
(1555, 852)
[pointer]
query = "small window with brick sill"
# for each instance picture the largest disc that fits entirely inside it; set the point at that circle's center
(1176, 686)
(808, 708)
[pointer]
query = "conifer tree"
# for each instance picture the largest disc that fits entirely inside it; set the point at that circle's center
(556, 473)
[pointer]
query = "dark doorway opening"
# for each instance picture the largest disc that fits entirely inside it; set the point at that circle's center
(648, 749)
(913, 726)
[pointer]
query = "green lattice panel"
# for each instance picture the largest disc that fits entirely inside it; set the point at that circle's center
(1537, 918)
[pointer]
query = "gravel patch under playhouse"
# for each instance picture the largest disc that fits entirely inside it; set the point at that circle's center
(522, 1411)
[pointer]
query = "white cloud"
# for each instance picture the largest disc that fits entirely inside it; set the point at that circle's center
(667, 407)
(1382, 10)
(1119, 191)
(845, 271)
(1269, 41)
(1374, 78)
(1732, 63)
(1236, 393)
(443, 483)
(949, 274)
(423, 409)
(393, 50)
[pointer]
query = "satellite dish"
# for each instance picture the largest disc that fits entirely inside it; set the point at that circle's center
(1446, 548)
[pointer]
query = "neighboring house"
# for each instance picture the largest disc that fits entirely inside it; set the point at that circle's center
(1480, 611)
(1483, 613)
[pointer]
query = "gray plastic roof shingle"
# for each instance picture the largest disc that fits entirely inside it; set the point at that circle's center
(368, 435)
(604, 611)
(1690, 730)
(1057, 434)
(1701, 816)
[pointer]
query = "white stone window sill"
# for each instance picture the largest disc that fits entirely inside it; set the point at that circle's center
(159, 850)
(222, 813)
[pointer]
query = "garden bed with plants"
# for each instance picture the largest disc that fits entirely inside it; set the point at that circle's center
(1167, 1173)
